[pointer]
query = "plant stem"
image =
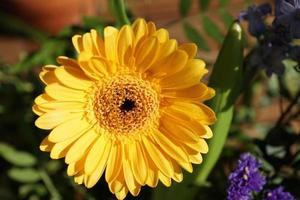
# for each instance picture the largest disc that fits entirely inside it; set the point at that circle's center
(49, 185)
(119, 11)
(288, 109)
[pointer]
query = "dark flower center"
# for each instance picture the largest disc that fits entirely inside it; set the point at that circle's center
(127, 105)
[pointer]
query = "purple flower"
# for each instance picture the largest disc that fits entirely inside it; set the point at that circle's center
(255, 15)
(278, 194)
(245, 179)
(288, 17)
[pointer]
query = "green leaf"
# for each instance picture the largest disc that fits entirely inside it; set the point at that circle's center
(212, 29)
(193, 35)
(24, 175)
(19, 158)
(226, 79)
(291, 78)
(15, 157)
(226, 17)
(224, 2)
(184, 7)
(26, 189)
(204, 4)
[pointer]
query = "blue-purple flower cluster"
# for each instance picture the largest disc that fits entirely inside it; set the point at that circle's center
(278, 194)
(245, 179)
(275, 39)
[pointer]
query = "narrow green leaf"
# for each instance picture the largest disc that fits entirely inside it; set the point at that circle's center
(193, 35)
(24, 175)
(184, 7)
(204, 4)
(212, 29)
(226, 79)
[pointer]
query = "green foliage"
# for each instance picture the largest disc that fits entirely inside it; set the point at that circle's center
(184, 7)
(19, 158)
(204, 4)
(212, 29)
(193, 35)
(24, 175)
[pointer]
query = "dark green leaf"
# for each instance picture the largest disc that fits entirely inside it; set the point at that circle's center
(193, 35)
(184, 7)
(204, 4)
(212, 29)
(24, 175)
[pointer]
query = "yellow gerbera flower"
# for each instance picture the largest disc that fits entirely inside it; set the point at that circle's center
(129, 105)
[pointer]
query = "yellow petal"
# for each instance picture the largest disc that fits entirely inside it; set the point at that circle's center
(69, 129)
(98, 43)
(125, 43)
(65, 61)
(146, 53)
(100, 150)
(178, 176)
(60, 149)
(72, 78)
(193, 93)
(75, 168)
(170, 65)
(139, 28)
(88, 43)
(79, 178)
(164, 179)
(138, 163)
(122, 194)
(92, 179)
(114, 163)
(46, 145)
(152, 174)
(162, 35)
(190, 49)
(77, 42)
(128, 175)
(172, 149)
(47, 74)
(43, 98)
(189, 76)
(196, 159)
(179, 131)
(110, 42)
(38, 111)
(98, 66)
(117, 185)
(59, 92)
(54, 118)
(208, 134)
(79, 148)
(161, 160)
(151, 28)
(62, 105)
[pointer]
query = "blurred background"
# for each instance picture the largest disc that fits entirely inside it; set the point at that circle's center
(34, 32)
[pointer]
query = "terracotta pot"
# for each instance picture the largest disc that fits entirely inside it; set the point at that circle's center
(53, 15)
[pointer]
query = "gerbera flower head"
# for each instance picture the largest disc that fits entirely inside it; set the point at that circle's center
(129, 108)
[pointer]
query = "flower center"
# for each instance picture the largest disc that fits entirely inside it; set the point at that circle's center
(126, 104)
